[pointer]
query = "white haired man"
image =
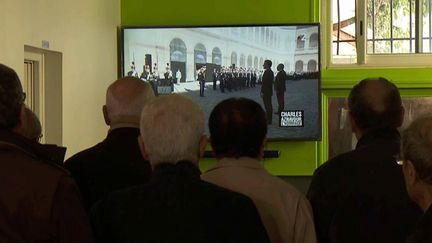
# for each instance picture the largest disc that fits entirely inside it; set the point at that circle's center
(116, 162)
(417, 169)
(176, 205)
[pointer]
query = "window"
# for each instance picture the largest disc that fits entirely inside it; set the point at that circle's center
(375, 31)
(313, 41)
(312, 66)
(200, 54)
(301, 41)
(177, 50)
(234, 58)
(242, 60)
(299, 66)
(217, 56)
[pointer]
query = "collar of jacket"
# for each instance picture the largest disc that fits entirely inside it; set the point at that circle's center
(379, 135)
(47, 152)
(245, 162)
(182, 169)
(123, 133)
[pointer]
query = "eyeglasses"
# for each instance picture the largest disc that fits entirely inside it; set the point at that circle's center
(399, 159)
(39, 137)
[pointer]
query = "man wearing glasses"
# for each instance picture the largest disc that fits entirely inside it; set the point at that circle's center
(39, 201)
(417, 169)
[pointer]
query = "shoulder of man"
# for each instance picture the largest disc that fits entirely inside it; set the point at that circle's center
(84, 157)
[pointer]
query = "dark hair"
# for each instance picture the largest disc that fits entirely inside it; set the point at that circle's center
(238, 127)
(11, 98)
(375, 103)
(281, 66)
(268, 62)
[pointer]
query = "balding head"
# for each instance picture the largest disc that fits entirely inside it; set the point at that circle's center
(375, 103)
(125, 99)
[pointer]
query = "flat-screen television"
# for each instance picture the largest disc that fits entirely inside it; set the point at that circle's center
(213, 63)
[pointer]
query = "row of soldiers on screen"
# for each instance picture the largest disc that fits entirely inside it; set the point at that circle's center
(233, 79)
(154, 75)
(154, 78)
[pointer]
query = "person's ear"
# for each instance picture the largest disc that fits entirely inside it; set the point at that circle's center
(262, 148)
(402, 116)
(105, 114)
(410, 173)
(202, 145)
(355, 129)
(143, 149)
(19, 128)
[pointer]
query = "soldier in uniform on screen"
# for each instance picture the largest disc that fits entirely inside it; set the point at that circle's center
(132, 72)
(146, 72)
(178, 76)
(168, 77)
(201, 79)
(214, 78)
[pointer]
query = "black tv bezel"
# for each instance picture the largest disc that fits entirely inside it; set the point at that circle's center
(121, 70)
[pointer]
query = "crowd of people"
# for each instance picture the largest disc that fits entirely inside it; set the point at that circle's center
(142, 183)
(235, 78)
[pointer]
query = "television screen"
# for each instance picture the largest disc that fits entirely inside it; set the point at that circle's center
(278, 66)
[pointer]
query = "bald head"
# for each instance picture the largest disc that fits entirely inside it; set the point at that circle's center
(125, 98)
(375, 103)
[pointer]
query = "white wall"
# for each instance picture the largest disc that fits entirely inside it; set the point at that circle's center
(84, 31)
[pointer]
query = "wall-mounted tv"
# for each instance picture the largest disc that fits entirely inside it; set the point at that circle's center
(213, 63)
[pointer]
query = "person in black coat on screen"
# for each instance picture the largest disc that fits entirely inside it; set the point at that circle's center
(267, 90)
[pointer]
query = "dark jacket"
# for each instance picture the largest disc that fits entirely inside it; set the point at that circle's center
(423, 229)
(280, 79)
(267, 82)
(177, 206)
(113, 164)
(39, 201)
(360, 196)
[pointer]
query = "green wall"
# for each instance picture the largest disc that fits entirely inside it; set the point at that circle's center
(296, 158)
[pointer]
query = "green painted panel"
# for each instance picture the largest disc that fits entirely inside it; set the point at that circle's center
(197, 12)
(403, 77)
(296, 158)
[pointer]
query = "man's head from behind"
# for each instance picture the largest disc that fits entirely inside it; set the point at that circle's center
(416, 153)
(11, 98)
(267, 64)
(238, 128)
(31, 128)
(125, 99)
(280, 67)
(172, 128)
(374, 104)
